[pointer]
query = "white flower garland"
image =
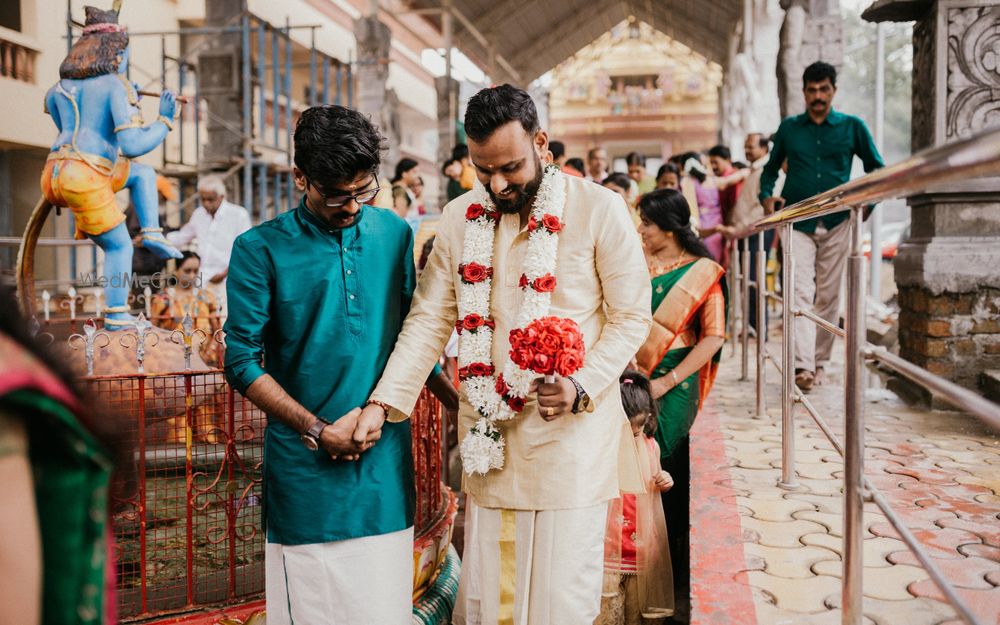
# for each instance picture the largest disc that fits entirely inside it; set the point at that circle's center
(499, 399)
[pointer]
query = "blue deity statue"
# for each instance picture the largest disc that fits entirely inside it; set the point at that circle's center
(101, 128)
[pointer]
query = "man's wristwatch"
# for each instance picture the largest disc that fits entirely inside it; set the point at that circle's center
(582, 401)
(311, 438)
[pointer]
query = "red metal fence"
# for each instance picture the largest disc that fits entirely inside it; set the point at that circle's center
(191, 534)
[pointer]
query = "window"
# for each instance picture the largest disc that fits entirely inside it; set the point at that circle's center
(10, 15)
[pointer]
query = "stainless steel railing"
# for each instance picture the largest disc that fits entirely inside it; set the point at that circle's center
(976, 156)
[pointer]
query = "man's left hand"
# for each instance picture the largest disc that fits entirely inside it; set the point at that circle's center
(369, 428)
(556, 399)
(217, 278)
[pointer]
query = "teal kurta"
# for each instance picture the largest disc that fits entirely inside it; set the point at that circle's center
(319, 310)
(819, 159)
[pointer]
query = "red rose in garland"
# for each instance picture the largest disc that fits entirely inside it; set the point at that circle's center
(475, 211)
(474, 272)
(545, 284)
(552, 223)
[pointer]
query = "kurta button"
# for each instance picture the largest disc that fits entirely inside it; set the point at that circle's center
(352, 296)
(349, 272)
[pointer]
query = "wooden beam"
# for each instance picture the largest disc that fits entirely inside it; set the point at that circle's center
(491, 21)
(561, 33)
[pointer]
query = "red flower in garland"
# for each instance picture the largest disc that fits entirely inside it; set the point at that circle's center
(552, 223)
(475, 369)
(532, 224)
(475, 211)
(516, 403)
(545, 284)
(473, 322)
(474, 272)
(501, 387)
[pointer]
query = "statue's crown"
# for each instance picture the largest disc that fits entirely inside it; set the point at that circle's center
(101, 21)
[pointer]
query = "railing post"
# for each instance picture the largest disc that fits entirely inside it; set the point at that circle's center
(788, 480)
(854, 448)
(745, 308)
(733, 278)
(761, 305)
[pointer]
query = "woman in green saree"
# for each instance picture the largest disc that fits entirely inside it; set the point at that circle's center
(55, 465)
(682, 351)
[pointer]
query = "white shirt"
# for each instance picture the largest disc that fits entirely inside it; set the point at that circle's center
(214, 234)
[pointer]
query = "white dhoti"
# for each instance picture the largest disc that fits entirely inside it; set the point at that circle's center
(524, 567)
(361, 581)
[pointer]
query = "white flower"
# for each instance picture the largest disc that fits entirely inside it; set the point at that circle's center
(482, 449)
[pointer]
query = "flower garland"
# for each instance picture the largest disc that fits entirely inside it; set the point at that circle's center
(498, 398)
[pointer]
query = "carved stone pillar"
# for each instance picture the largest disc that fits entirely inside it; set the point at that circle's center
(813, 30)
(374, 40)
(948, 272)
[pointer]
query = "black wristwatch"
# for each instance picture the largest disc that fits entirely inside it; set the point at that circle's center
(311, 438)
(582, 401)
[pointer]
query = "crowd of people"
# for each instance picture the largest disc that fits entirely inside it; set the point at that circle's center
(583, 513)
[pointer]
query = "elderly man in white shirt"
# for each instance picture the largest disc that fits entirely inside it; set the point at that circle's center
(215, 224)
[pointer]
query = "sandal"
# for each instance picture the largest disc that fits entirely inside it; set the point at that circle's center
(804, 380)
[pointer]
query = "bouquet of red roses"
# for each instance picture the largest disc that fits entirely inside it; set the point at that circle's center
(547, 346)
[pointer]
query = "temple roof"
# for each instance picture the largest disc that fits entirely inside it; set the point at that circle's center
(533, 36)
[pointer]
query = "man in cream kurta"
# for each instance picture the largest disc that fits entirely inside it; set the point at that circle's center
(535, 529)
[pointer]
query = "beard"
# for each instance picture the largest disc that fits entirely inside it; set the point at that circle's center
(524, 193)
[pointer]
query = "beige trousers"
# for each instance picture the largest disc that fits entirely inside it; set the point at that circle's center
(527, 567)
(819, 269)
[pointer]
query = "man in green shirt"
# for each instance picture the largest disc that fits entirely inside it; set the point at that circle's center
(317, 296)
(819, 146)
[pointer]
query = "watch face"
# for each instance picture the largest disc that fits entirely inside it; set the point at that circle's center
(310, 442)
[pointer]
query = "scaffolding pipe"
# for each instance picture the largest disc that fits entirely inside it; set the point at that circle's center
(788, 480)
(288, 103)
(247, 89)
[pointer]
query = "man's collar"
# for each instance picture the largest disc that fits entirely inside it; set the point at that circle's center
(833, 118)
(760, 162)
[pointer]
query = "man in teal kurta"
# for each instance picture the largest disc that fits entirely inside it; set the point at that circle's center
(819, 146)
(316, 299)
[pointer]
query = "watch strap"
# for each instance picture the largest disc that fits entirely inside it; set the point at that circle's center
(317, 428)
(580, 394)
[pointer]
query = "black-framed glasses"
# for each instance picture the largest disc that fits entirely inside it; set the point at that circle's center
(336, 201)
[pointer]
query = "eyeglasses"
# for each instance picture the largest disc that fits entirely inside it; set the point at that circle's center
(336, 201)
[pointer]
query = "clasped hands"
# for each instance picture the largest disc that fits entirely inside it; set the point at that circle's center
(354, 433)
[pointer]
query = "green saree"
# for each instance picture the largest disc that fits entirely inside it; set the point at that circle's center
(678, 296)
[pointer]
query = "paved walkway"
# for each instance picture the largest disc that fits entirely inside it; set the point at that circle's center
(765, 555)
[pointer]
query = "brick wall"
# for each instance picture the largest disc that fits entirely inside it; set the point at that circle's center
(955, 336)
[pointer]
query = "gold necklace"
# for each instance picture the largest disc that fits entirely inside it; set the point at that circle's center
(660, 269)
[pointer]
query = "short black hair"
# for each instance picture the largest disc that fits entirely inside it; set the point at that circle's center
(763, 139)
(637, 400)
(460, 151)
(618, 179)
(494, 107)
(557, 148)
(634, 158)
(335, 145)
(575, 162)
(818, 72)
(668, 167)
(447, 164)
(721, 151)
(404, 165)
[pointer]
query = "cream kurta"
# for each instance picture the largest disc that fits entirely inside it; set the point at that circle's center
(603, 284)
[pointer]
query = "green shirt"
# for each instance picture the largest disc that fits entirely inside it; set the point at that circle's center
(319, 309)
(819, 159)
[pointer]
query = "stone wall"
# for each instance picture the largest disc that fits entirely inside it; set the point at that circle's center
(953, 335)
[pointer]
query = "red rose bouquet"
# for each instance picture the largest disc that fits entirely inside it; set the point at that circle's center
(548, 346)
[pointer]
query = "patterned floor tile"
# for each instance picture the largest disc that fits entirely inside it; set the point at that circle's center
(792, 563)
(804, 595)
(887, 583)
(781, 534)
(774, 509)
(964, 572)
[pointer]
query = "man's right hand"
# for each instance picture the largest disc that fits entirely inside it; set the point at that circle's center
(336, 438)
(773, 204)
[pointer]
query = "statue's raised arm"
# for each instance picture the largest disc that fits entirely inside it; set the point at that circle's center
(96, 111)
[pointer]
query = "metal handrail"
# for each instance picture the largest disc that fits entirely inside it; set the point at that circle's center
(953, 162)
(950, 163)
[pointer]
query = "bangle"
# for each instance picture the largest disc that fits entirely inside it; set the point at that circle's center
(673, 376)
(384, 406)
(166, 122)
